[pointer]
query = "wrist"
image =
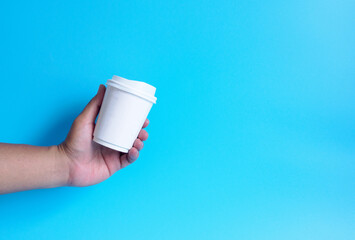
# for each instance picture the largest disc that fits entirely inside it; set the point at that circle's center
(62, 163)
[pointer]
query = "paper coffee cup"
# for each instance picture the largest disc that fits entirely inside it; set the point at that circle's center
(125, 107)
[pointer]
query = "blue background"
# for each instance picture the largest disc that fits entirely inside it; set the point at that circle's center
(252, 136)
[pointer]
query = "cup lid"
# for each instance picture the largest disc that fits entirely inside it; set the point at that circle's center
(138, 88)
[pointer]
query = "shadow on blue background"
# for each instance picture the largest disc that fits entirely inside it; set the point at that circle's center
(56, 133)
(43, 203)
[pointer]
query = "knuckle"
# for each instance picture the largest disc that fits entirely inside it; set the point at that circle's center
(79, 120)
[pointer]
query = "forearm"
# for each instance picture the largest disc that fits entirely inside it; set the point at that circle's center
(24, 167)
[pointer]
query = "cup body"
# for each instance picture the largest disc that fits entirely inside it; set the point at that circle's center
(122, 114)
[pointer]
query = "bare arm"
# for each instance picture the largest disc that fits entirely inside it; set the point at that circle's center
(24, 167)
(78, 161)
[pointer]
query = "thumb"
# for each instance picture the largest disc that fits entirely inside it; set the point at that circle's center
(92, 109)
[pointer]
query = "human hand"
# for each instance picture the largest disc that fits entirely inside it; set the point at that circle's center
(90, 163)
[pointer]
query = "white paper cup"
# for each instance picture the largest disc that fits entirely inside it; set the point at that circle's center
(123, 111)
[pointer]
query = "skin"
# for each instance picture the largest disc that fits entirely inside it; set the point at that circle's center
(78, 161)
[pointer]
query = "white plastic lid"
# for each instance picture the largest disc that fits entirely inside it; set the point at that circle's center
(138, 88)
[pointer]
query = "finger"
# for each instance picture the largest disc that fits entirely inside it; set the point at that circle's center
(146, 123)
(143, 135)
(138, 144)
(132, 155)
(91, 110)
(129, 157)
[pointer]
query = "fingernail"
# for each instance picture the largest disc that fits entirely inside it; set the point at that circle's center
(98, 90)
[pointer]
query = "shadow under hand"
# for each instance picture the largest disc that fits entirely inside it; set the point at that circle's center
(57, 132)
(29, 207)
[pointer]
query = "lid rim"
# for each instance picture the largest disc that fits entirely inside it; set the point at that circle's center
(129, 89)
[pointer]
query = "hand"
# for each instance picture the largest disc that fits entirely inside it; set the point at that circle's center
(90, 163)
